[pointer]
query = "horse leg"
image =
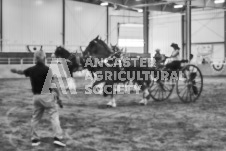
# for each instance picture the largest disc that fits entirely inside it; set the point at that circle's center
(112, 102)
(98, 89)
(144, 88)
(96, 83)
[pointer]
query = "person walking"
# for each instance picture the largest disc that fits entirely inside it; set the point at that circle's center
(43, 101)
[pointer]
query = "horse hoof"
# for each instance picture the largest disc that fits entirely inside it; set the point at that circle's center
(143, 102)
(108, 106)
(114, 105)
(111, 105)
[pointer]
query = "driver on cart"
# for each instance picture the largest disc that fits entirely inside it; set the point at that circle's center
(172, 61)
(176, 52)
(158, 56)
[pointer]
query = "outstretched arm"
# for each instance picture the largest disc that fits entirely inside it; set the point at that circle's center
(21, 72)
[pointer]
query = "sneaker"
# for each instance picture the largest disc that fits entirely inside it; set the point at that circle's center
(35, 142)
(58, 142)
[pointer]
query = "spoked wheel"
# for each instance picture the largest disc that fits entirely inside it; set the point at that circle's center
(161, 90)
(190, 83)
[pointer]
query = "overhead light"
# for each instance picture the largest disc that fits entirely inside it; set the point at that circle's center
(178, 6)
(140, 10)
(104, 4)
(219, 1)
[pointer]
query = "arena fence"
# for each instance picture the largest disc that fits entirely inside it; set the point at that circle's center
(20, 61)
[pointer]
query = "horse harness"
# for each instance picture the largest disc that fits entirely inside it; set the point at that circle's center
(105, 61)
(77, 59)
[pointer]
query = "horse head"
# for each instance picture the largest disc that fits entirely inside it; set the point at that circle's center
(118, 51)
(115, 48)
(61, 52)
(97, 48)
(73, 60)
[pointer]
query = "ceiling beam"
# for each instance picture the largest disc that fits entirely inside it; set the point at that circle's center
(118, 2)
(125, 2)
(202, 3)
(168, 8)
(166, 2)
(163, 5)
(163, 9)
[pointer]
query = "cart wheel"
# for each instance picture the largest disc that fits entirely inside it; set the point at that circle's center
(190, 83)
(161, 90)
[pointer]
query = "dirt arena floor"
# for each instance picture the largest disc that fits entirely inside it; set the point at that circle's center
(90, 126)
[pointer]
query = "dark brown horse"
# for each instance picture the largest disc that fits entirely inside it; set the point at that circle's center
(110, 75)
(124, 73)
(73, 60)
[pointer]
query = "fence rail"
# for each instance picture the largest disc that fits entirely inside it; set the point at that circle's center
(21, 61)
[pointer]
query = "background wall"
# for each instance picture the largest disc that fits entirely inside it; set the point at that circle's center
(165, 28)
(117, 17)
(208, 35)
(31, 22)
(39, 22)
(83, 23)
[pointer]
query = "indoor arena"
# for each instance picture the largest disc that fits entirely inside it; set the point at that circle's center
(112, 75)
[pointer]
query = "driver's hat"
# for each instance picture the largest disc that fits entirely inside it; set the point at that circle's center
(175, 46)
(157, 50)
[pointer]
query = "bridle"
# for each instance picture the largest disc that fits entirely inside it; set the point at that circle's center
(77, 59)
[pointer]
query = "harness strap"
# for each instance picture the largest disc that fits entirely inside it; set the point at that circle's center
(77, 59)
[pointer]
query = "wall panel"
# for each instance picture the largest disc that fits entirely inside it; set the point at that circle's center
(83, 23)
(117, 17)
(31, 22)
(165, 28)
(208, 30)
(207, 26)
(131, 37)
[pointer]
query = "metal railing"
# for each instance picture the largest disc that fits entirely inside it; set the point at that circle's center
(21, 61)
(9, 46)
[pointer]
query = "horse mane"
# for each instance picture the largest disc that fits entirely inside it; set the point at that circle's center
(101, 42)
(98, 49)
(116, 48)
(62, 52)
